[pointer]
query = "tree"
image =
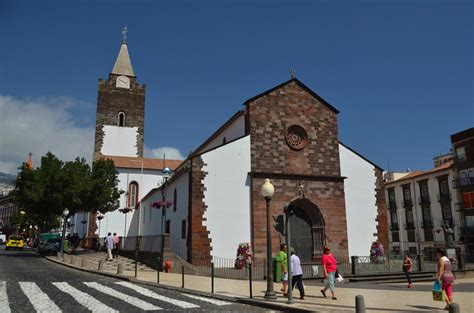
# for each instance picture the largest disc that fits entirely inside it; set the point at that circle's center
(77, 184)
(44, 193)
(105, 194)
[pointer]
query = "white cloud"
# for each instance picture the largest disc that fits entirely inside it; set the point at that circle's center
(38, 126)
(170, 153)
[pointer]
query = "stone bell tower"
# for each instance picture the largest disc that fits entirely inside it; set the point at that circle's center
(120, 118)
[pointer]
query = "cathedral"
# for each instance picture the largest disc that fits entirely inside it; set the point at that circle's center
(288, 134)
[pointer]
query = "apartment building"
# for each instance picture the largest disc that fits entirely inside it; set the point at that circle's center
(463, 168)
(422, 212)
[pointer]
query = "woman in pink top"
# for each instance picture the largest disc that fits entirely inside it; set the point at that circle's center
(329, 271)
(445, 276)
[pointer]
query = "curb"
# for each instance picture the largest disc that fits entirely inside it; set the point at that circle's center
(248, 301)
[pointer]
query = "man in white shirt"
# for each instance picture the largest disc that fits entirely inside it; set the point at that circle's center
(109, 241)
(296, 273)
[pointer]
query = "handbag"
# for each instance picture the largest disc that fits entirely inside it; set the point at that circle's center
(339, 278)
(337, 274)
(438, 293)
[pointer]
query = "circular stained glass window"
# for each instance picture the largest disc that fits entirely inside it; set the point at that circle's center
(296, 137)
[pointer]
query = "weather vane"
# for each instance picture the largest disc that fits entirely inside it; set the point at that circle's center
(124, 33)
(292, 73)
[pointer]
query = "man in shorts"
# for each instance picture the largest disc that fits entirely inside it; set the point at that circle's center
(282, 256)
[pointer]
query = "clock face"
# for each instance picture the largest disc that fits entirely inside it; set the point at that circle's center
(123, 82)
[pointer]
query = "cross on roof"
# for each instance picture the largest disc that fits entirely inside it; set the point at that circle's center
(124, 33)
(292, 73)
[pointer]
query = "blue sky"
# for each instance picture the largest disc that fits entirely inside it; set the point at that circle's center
(400, 72)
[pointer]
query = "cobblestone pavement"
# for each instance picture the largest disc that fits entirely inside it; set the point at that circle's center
(29, 283)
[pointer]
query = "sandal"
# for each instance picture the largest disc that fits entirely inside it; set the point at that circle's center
(324, 293)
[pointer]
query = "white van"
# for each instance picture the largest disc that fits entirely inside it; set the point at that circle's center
(3, 239)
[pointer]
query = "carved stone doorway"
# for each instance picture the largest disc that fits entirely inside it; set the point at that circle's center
(307, 230)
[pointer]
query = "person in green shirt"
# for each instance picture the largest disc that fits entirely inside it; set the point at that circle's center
(284, 268)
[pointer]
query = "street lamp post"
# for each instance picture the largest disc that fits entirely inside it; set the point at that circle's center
(267, 192)
(65, 215)
(83, 222)
(166, 172)
(100, 217)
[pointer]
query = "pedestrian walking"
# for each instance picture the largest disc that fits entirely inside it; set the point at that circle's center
(329, 271)
(408, 268)
(116, 246)
(296, 273)
(445, 276)
(109, 242)
(284, 268)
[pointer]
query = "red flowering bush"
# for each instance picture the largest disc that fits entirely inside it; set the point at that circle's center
(159, 204)
(244, 256)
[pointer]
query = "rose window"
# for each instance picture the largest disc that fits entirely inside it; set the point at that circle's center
(296, 137)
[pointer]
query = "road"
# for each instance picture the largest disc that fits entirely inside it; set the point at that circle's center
(30, 283)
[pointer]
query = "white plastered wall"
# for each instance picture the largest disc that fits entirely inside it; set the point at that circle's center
(227, 196)
(119, 141)
(231, 132)
(115, 221)
(361, 211)
(151, 218)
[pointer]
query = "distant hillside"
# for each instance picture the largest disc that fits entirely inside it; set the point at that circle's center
(7, 180)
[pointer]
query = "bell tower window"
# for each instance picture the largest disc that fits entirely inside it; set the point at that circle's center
(132, 194)
(121, 119)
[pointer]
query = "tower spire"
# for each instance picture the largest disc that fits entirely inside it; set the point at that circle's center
(123, 65)
(29, 163)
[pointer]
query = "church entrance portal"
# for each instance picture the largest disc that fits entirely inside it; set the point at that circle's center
(307, 230)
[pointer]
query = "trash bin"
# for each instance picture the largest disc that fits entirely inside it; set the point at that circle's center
(276, 269)
(66, 245)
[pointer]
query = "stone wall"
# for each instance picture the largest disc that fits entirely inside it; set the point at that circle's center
(111, 101)
(288, 158)
(199, 243)
(382, 219)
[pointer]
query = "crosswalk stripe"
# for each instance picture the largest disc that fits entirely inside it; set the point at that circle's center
(205, 299)
(84, 299)
(151, 294)
(4, 306)
(117, 294)
(40, 301)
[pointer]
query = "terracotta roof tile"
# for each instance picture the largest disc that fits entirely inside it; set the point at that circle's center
(148, 163)
(415, 174)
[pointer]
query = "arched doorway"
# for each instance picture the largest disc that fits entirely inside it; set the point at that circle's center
(307, 229)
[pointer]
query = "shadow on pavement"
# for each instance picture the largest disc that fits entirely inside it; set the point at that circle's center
(428, 308)
(26, 254)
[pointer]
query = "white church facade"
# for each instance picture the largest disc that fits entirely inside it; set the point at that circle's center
(288, 134)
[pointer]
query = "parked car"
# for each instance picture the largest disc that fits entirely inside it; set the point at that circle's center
(15, 242)
(52, 245)
(3, 239)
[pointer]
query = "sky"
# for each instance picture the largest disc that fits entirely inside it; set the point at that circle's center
(400, 72)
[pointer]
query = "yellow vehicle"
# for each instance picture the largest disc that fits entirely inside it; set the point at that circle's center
(15, 242)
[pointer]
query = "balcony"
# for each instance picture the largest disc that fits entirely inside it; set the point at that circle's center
(428, 224)
(446, 222)
(407, 203)
(460, 158)
(394, 227)
(465, 181)
(424, 200)
(409, 226)
(444, 197)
